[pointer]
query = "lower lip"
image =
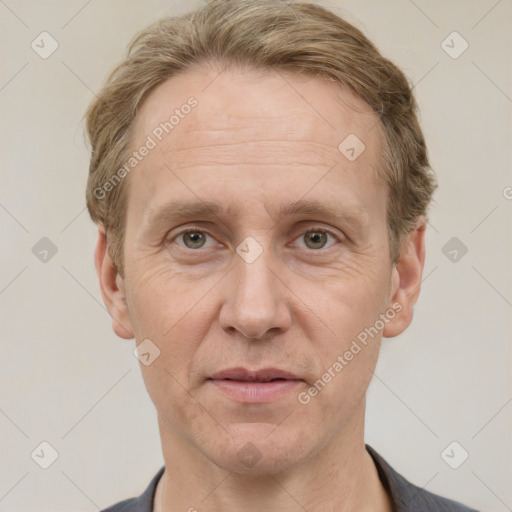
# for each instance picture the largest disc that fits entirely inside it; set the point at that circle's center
(256, 392)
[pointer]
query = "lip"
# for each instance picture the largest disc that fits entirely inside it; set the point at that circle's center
(255, 386)
(261, 375)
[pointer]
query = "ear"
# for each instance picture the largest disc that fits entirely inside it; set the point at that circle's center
(112, 288)
(406, 280)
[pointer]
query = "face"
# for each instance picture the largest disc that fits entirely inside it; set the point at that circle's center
(253, 243)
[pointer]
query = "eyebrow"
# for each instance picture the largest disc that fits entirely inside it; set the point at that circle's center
(184, 210)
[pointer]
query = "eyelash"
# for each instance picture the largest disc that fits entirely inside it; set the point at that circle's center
(195, 230)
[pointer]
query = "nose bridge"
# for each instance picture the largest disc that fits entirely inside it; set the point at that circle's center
(253, 272)
(255, 304)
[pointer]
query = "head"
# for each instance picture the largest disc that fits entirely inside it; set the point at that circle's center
(292, 149)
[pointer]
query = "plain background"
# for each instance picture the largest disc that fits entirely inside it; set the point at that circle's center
(67, 379)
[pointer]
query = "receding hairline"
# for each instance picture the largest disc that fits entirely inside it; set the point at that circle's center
(213, 67)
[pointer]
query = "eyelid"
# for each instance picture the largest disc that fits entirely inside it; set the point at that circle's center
(172, 238)
(322, 229)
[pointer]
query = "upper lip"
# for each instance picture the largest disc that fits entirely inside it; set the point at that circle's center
(261, 375)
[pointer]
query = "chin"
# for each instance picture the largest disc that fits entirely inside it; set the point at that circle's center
(259, 449)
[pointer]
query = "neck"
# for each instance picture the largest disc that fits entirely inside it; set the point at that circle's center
(341, 477)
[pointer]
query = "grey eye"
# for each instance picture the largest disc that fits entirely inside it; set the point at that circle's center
(315, 239)
(194, 239)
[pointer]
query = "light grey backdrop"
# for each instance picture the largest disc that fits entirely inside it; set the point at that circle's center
(67, 380)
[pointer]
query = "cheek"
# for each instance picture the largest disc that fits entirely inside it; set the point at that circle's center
(347, 360)
(168, 312)
(175, 313)
(350, 299)
(160, 299)
(349, 307)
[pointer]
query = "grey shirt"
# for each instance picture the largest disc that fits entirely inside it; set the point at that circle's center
(405, 496)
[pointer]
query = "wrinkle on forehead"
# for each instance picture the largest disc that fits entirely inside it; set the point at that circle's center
(289, 97)
(261, 152)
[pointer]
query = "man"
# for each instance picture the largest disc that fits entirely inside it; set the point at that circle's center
(261, 184)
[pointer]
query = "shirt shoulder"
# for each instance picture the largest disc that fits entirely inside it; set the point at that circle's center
(128, 505)
(407, 497)
(144, 503)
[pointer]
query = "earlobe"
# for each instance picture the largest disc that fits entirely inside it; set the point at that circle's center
(406, 280)
(112, 288)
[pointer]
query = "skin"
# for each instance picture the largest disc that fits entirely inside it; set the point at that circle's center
(258, 141)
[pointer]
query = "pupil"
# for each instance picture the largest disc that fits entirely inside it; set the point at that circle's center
(317, 237)
(196, 238)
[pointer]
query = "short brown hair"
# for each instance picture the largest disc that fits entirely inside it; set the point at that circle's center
(265, 34)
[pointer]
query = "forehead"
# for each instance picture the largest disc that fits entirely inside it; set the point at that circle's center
(249, 129)
(234, 98)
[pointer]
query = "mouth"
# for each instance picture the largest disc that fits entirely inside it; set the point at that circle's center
(257, 386)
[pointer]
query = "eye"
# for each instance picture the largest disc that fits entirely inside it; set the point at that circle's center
(317, 238)
(192, 239)
(197, 239)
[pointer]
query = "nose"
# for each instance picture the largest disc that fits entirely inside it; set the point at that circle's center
(256, 300)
